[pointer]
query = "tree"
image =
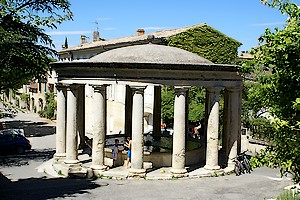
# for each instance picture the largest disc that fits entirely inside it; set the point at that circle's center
(279, 56)
(25, 48)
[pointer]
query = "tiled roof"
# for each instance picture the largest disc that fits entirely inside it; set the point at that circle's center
(129, 39)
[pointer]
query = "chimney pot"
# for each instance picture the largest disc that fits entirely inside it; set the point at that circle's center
(140, 31)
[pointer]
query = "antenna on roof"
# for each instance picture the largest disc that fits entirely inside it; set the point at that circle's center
(97, 25)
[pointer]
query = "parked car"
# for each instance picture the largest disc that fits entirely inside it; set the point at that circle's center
(13, 143)
(12, 131)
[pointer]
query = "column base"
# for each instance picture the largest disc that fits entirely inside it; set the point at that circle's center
(59, 158)
(139, 173)
(71, 162)
(208, 167)
(178, 173)
(73, 170)
(99, 167)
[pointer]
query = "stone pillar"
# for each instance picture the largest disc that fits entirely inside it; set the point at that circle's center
(212, 129)
(157, 112)
(234, 118)
(99, 105)
(71, 147)
(128, 112)
(178, 156)
(60, 124)
(81, 116)
(137, 149)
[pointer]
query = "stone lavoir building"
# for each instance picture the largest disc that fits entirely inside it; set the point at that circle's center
(137, 63)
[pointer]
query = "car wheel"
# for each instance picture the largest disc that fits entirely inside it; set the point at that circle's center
(20, 150)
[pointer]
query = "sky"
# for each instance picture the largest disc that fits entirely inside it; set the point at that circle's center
(243, 20)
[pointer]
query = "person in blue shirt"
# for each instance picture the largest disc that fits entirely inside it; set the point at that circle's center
(128, 145)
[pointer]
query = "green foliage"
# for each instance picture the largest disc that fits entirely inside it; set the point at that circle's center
(25, 97)
(50, 107)
(24, 46)
(167, 105)
(288, 195)
(196, 103)
(208, 43)
(279, 57)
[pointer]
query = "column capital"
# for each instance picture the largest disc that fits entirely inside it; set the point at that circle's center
(234, 89)
(138, 89)
(99, 88)
(74, 86)
(60, 86)
(181, 89)
(214, 89)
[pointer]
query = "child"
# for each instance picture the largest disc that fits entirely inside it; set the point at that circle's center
(128, 145)
(115, 150)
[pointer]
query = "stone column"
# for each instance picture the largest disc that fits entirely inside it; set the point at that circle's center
(71, 147)
(81, 116)
(212, 129)
(99, 105)
(157, 112)
(137, 149)
(178, 156)
(234, 117)
(60, 124)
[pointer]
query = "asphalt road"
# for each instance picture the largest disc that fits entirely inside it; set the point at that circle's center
(19, 178)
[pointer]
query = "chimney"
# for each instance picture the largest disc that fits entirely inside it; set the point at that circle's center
(83, 39)
(96, 36)
(140, 32)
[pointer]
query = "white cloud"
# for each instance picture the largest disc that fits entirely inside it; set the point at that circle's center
(269, 24)
(68, 32)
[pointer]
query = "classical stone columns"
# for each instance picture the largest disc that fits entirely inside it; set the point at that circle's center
(99, 105)
(234, 117)
(212, 129)
(61, 124)
(178, 157)
(71, 147)
(137, 150)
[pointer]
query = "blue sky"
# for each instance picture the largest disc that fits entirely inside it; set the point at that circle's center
(242, 20)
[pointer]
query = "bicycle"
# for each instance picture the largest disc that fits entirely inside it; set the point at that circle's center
(242, 164)
(246, 162)
(238, 167)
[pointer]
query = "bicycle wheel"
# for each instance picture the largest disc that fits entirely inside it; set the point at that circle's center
(236, 170)
(247, 165)
(241, 167)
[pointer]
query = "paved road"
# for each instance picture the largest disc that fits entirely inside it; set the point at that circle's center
(19, 178)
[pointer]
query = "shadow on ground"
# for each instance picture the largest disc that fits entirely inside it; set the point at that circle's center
(20, 160)
(43, 188)
(31, 129)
